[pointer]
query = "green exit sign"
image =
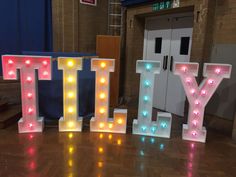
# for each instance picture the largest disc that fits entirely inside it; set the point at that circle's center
(161, 5)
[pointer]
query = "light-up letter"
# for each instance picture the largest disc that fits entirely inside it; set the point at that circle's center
(198, 97)
(101, 122)
(70, 67)
(144, 124)
(30, 121)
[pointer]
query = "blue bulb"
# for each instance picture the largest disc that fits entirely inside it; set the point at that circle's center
(163, 124)
(148, 66)
(142, 153)
(152, 140)
(153, 129)
(147, 83)
(143, 139)
(144, 128)
(145, 113)
(145, 98)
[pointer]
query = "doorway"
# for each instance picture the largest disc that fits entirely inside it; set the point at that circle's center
(168, 39)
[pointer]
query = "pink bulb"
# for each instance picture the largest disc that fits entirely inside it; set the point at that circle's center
(203, 92)
(194, 122)
(192, 145)
(30, 111)
(10, 62)
(197, 102)
(30, 125)
(193, 91)
(188, 80)
(194, 133)
(217, 70)
(45, 63)
(184, 69)
(45, 73)
(29, 79)
(210, 82)
(29, 95)
(27, 62)
(195, 112)
(11, 73)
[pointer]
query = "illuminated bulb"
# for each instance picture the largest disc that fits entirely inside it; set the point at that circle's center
(217, 70)
(70, 135)
(30, 125)
(102, 80)
(153, 129)
(188, 81)
(145, 113)
(45, 63)
(29, 79)
(70, 124)
(164, 125)
(193, 91)
(110, 126)
(102, 95)
(70, 94)
(145, 98)
(29, 95)
(147, 83)
(10, 62)
(70, 163)
(194, 122)
(100, 150)
(101, 125)
(184, 69)
(100, 135)
(103, 64)
(45, 73)
(102, 110)
(100, 164)
(119, 141)
(71, 149)
(27, 62)
(11, 73)
(210, 82)
(148, 67)
(203, 92)
(119, 121)
(195, 112)
(70, 79)
(110, 136)
(197, 103)
(143, 128)
(70, 63)
(194, 133)
(70, 110)
(30, 110)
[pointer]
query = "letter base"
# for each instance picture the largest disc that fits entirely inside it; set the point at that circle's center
(201, 134)
(35, 126)
(70, 126)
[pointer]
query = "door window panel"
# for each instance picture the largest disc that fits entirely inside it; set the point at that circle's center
(158, 44)
(184, 45)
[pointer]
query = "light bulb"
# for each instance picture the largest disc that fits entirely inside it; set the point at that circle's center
(100, 150)
(103, 65)
(30, 125)
(120, 121)
(163, 124)
(153, 129)
(29, 79)
(195, 112)
(145, 98)
(110, 136)
(147, 83)
(10, 62)
(110, 125)
(70, 110)
(30, 110)
(148, 67)
(197, 103)
(70, 63)
(70, 79)
(217, 70)
(184, 69)
(100, 135)
(102, 95)
(70, 124)
(29, 95)
(145, 113)
(119, 141)
(45, 73)
(143, 128)
(210, 82)
(203, 92)
(194, 122)
(45, 63)
(102, 80)
(188, 80)
(194, 133)
(71, 150)
(70, 94)
(70, 135)
(27, 62)
(102, 110)
(192, 91)
(101, 125)
(11, 73)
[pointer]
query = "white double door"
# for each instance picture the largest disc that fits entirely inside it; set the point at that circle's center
(168, 39)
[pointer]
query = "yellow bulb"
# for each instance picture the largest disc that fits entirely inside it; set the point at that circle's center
(100, 164)
(102, 110)
(70, 79)
(110, 136)
(103, 65)
(71, 149)
(70, 63)
(110, 125)
(102, 80)
(119, 141)
(70, 124)
(70, 135)
(102, 95)
(70, 163)
(101, 125)
(120, 121)
(70, 110)
(70, 94)
(101, 136)
(100, 150)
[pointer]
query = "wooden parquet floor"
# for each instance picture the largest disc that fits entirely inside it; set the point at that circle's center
(53, 154)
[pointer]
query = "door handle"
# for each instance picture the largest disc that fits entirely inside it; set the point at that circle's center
(164, 63)
(171, 63)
